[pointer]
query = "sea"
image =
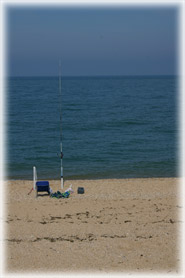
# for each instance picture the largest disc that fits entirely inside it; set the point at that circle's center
(112, 127)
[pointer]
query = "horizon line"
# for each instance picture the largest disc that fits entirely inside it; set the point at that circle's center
(101, 75)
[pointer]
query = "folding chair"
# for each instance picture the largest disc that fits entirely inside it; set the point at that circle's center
(40, 186)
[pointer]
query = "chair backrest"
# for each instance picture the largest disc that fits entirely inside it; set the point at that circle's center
(34, 177)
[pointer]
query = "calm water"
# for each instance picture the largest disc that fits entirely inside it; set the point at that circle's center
(113, 127)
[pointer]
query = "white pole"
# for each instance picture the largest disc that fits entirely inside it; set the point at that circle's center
(61, 153)
(34, 177)
(62, 179)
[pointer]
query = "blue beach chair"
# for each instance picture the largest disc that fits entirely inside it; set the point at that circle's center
(40, 186)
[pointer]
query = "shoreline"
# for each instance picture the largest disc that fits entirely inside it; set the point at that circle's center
(71, 179)
(117, 225)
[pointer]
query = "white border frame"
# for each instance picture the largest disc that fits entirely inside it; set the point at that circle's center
(181, 116)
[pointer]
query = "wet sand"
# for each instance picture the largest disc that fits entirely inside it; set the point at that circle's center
(118, 225)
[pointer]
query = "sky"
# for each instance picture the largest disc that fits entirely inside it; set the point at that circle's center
(91, 40)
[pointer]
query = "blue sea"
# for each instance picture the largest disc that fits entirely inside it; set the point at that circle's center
(113, 127)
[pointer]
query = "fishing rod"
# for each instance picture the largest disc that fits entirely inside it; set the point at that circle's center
(60, 103)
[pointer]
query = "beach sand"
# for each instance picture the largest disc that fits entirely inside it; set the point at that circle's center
(118, 225)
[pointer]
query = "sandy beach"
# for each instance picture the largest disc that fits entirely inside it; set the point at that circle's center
(118, 225)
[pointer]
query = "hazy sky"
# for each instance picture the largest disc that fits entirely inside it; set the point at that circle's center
(92, 41)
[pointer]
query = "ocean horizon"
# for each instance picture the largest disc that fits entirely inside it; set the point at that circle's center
(97, 76)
